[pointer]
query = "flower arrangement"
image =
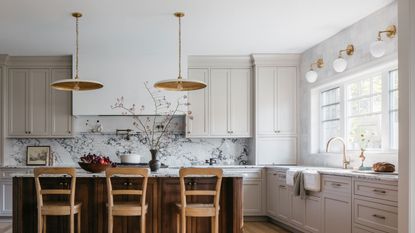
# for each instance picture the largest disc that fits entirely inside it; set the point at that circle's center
(154, 128)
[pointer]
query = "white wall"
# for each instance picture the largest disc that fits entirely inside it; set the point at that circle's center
(407, 116)
(361, 35)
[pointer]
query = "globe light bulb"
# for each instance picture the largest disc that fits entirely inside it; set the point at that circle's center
(311, 76)
(377, 48)
(340, 65)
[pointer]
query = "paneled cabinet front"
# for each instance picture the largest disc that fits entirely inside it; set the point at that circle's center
(224, 108)
(276, 101)
(34, 110)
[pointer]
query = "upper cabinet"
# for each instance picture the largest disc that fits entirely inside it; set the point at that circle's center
(275, 109)
(276, 89)
(223, 109)
(34, 109)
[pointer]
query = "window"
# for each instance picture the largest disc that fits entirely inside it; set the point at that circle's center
(365, 107)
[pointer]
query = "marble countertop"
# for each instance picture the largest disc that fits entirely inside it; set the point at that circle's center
(234, 171)
(369, 175)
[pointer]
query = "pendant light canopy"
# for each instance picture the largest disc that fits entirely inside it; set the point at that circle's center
(76, 84)
(180, 84)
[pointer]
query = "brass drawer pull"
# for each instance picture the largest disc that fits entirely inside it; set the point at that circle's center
(336, 185)
(379, 216)
(378, 191)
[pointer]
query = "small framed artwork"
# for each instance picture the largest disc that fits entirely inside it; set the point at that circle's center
(37, 155)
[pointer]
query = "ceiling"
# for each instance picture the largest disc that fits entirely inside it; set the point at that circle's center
(147, 27)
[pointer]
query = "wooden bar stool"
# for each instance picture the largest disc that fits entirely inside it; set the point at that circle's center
(54, 208)
(138, 208)
(198, 209)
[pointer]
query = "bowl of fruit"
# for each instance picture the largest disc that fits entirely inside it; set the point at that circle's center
(95, 163)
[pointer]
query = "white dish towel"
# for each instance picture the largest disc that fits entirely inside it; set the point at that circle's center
(312, 180)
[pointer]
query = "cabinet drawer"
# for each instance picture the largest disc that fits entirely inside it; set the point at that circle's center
(377, 216)
(363, 229)
(337, 184)
(249, 173)
(376, 190)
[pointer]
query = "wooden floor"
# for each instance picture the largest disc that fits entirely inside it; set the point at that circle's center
(262, 227)
(5, 227)
(250, 227)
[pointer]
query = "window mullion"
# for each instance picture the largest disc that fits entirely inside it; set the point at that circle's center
(385, 111)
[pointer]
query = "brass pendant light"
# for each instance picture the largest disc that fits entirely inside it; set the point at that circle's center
(180, 84)
(76, 84)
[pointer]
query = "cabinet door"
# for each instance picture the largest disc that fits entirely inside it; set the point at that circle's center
(286, 101)
(276, 150)
(198, 125)
(240, 102)
(313, 219)
(272, 193)
(17, 101)
(38, 108)
(283, 202)
(61, 105)
(6, 198)
(219, 102)
(265, 100)
(337, 214)
(252, 197)
(297, 210)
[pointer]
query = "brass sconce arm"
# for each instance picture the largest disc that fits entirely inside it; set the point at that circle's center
(390, 32)
(318, 64)
(349, 50)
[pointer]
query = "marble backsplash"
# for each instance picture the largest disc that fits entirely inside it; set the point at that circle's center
(177, 150)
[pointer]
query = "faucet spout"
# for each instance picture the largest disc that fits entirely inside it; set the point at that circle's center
(346, 161)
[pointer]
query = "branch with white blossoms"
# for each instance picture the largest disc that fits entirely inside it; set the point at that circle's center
(158, 126)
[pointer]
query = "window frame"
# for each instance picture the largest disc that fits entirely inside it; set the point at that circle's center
(344, 117)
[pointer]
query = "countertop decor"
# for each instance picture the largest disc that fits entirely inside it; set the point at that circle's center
(157, 127)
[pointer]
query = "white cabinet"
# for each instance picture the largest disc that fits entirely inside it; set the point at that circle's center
(6, 197)
(276, 150)
(272, 192)
(297, 210)
(34, 109)
(276, 91)
(223, 109)
(252, 197)
(230, 102)
(198, 126)
(313, 218)
(283, 202)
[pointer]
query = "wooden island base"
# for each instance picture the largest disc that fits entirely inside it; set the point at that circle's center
(163, 194)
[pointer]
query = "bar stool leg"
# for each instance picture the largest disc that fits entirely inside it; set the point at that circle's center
(183, 222)
(110, 221)
(39, 223)
(143, 224)
(178, 223)
(79, 221)
(71, 223)
(216, 223)
(44, 224)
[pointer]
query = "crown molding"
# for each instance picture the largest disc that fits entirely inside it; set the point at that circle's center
(289, 59)
(219, 61)
(38, 61)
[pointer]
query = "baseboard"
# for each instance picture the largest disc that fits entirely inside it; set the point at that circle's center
(284, 226)
(256, 218)
(6, 220)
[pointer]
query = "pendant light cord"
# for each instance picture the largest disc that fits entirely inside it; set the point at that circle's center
(77, 49)
(180, 47)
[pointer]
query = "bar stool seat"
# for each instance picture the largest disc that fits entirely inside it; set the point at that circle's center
(59, 208)
(128, 209)
(198, 210)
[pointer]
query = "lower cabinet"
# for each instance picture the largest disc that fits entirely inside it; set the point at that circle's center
(6, 197)
(283, 202)
(337, 214)
(313, 219)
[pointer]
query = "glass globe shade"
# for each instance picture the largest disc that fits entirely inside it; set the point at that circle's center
(311, 76)
(377, 48)
(340, 65)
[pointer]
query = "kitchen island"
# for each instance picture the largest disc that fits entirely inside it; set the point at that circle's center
(163, 193)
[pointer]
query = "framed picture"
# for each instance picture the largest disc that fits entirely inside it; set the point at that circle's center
(37, 155)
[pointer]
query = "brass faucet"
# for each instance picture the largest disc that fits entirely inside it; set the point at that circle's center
(346, 162)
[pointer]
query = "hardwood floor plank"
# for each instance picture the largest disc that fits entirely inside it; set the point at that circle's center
(262, 227)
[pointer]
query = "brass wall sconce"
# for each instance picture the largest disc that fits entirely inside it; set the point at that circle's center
(311, 76)
(378, 48)
(340, 64)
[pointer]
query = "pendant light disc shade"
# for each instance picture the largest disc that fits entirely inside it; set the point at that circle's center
(76, 85)
(179, 85)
